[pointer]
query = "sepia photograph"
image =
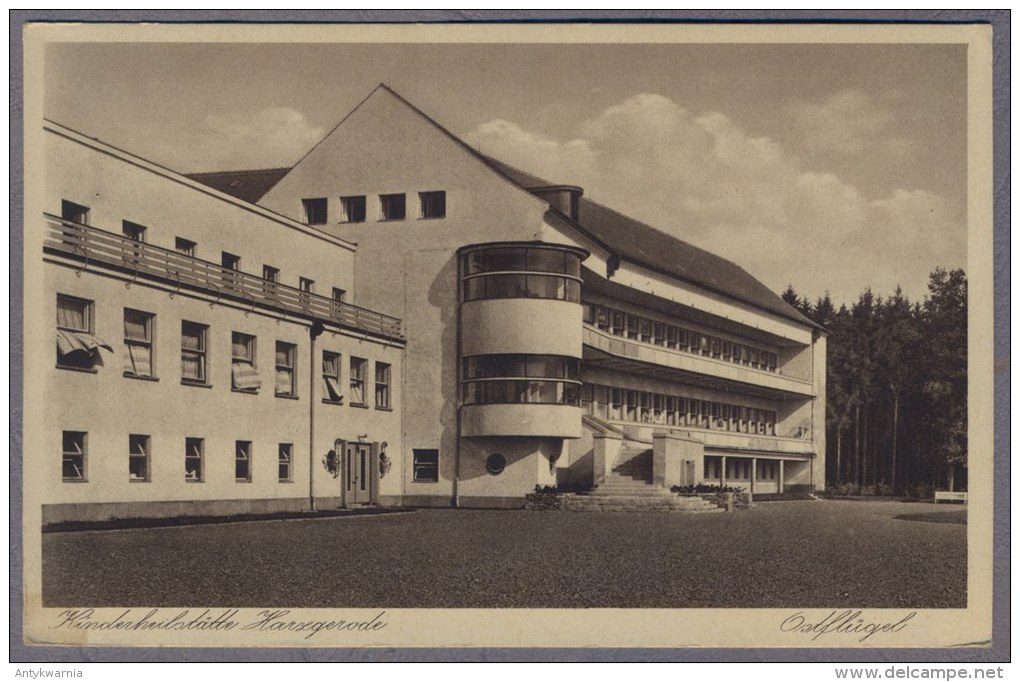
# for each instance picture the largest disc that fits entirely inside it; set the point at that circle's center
(507, 335)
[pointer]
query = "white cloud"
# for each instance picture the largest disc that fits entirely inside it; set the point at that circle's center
(847, 123)
(270, 137)
(747, 197)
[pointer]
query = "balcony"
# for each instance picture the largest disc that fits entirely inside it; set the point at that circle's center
(627, 355)
(92, 246)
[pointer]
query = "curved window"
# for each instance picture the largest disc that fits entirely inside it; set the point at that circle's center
(522, 272)
(540, 379)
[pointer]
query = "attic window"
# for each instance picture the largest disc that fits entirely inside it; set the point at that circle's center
(315, 211)
(393, 206)
(433, 204)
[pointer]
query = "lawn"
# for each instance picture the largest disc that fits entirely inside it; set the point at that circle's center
(782, 554)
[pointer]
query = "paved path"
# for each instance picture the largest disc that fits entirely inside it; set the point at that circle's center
(782, 554)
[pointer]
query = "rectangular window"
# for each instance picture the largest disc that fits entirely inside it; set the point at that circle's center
(382, 385)
(426, 465)
(658, 333)
(185, 246)
(716, 346)
(632, 327)
(339, 295)
(139, 351)
(433, 204)
(77, 346)
(244, 374)
(193, 345)
(242, 461)
(74, 455)
(315, 211)
(393, 206)
(75, 213)
(619, 320)
(671, 336)
(646, 330)
(616, 403)
(231, 263)
(286, 455)
(331, 378)
(286, 359)
(727, 350)
(306, 286)
(271, 276)
(358, 380)
(194, 456)
(352, 209)
(138, 457)
(133, 231)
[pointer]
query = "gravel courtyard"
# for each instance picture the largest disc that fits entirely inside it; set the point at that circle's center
(781, 554)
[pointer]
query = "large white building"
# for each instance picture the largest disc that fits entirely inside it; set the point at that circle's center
(395, 320)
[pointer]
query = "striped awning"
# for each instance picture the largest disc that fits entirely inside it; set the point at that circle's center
(244, 377)
(69, 342)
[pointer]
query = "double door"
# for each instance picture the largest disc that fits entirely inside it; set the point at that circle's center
(357, 473)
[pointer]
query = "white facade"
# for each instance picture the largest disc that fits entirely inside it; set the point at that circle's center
(519, 343)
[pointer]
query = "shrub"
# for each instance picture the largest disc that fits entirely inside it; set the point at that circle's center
(701, 489)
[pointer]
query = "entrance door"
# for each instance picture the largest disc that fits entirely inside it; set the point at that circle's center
(357, 473)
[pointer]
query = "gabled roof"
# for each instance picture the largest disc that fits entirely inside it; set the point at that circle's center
(626, 237)
(247, 185)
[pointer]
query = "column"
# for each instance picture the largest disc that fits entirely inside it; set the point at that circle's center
(754, 472)
(780, 475)
(722, 471)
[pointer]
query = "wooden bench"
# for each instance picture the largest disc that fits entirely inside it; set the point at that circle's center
(941, 495)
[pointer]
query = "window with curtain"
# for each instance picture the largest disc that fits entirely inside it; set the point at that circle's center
(77, 345)
(193, 353)
(138, 345)
(358, 381)
(331, 378)
(286, 356)
(244, 373)
(382, 385)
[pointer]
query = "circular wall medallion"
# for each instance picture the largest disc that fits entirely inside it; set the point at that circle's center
(495, 463)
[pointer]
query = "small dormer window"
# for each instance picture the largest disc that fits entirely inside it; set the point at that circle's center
(433, 204)
(393, 206)
(315, 211)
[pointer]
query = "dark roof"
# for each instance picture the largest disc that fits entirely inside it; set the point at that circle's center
(247, 185)
(643, 244)
(628, 238)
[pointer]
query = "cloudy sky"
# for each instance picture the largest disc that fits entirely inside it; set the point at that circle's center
(831, 167)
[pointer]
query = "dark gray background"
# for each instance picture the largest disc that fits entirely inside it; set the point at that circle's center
(998, 652)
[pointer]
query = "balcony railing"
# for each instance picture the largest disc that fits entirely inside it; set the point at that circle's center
(92, 245)
(640, 352)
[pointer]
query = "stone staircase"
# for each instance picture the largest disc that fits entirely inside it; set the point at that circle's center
(629, 488)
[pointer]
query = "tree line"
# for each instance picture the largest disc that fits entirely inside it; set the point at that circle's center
(896, 388)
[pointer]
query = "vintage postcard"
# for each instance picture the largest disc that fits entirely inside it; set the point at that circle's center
(508, 335)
